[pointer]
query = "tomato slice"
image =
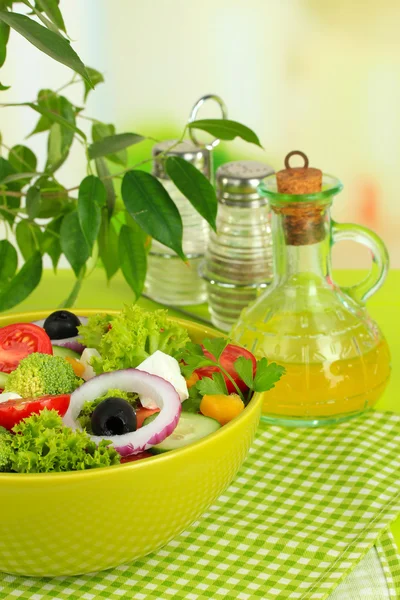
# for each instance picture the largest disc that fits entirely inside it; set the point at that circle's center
(19, 340)
(133, 457)
(142, 414)
(13, 411)
(227, 359)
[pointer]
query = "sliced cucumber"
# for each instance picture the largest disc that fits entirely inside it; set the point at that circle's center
(63, 351)
(191, 427)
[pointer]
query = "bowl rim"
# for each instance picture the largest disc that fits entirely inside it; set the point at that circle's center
(22, 478)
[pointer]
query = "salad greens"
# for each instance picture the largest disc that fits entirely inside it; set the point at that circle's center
(42, 444)
(87, 409)
(42, 374)
(131, 337)
(91, 334)
(265, 377)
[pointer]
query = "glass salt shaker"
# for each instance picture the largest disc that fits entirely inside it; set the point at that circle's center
(169, 280)
(238, 262)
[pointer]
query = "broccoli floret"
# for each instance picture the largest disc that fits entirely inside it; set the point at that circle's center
(87, 409)
(5, 449)
(41, 374)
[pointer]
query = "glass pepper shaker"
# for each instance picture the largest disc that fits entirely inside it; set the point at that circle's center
(238, 262)
(169, 280)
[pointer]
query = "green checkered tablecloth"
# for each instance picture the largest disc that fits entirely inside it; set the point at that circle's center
(306, 518)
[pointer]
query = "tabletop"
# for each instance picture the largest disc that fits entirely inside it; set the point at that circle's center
(384, 307)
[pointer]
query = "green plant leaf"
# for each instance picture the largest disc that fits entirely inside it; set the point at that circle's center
(225, 129)
(101, 131)
(267, 375)
(47, 41)
(53, 198)
(108, 245)
(33, 202)
(104, 173)
(8, 261)
(150, 205)
(18, 177)
(194, 186)
(3, 88)
(113, 143)
(22, 160)
(50, 8)
(51, 241)
(60, 137)
(29, 238)
(215, 346)
(91, 197)
(73, 242)
(4, 35)
(6, 171)
(133, 258)
(22, 284)
(53, 118)
(95, 77)
(51, 101)
(216, 385)
(244, 368)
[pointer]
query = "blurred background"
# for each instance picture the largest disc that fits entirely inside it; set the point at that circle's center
(320, 76)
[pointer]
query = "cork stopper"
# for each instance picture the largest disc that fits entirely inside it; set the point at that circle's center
(304, 222)
(299, 180)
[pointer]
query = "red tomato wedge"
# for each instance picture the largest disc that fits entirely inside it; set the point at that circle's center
(19, 340)
(13, 411)
(133, 457)
(227, 359)
(142, 414)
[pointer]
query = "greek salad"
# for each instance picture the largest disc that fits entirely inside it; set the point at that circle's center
(79, 393)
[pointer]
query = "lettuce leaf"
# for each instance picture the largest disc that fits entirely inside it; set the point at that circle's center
(42, 444)
(134, 335)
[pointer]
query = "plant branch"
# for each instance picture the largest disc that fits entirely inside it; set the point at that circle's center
(70, 300)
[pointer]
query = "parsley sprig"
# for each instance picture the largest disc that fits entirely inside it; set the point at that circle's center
(265, 377)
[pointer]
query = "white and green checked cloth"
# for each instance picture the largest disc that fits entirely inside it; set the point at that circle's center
(306, 518)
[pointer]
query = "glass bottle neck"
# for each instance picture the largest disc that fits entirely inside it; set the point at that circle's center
(311, 257)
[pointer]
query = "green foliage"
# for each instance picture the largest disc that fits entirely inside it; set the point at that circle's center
(92, 218)
(133, 257)
(197, 188)
(149, 203)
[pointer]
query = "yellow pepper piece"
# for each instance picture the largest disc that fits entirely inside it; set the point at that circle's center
(220, 407)
(192, 380)
(77, 366)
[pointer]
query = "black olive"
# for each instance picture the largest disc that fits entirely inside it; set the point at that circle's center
(61, 324)
(113, 416)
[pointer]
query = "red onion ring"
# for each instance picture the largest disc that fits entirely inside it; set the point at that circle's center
(130, 380)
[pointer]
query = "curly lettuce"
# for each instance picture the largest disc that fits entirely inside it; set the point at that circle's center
(132, 336)
(90, 335)
(42, 444)
(5, 450)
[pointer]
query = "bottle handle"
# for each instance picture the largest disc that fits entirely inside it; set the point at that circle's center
(380, 258)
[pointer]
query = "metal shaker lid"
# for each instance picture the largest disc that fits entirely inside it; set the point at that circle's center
(237, 182)
(199, 156)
